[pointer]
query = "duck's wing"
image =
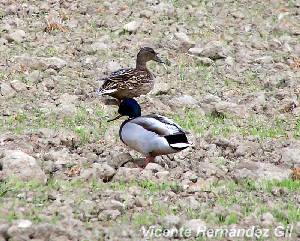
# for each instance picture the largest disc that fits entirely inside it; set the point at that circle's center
(170, 124)
(119, 73)
(158, 124)
(164, 127)
(115, 81)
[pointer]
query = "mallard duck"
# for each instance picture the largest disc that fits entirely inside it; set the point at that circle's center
(129, 82)
(152, 135)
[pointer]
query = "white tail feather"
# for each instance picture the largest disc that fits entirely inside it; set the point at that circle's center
(103, 92)
(180, 145)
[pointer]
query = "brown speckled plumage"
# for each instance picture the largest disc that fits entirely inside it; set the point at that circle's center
(129, 83)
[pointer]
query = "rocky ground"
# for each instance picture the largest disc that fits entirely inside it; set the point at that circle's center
(232, 79)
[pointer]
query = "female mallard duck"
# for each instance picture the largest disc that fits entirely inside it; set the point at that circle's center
(128, 83)
(152, 135)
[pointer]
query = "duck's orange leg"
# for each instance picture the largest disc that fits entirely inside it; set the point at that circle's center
(146, 161)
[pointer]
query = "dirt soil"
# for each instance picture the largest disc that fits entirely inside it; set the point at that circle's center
(232, 79)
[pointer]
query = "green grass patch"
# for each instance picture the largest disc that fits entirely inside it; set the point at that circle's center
(225, 125)
(287, 213)
(88, 127)
(143, 219)
(289, 184)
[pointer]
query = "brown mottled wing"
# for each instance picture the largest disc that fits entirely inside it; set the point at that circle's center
(116, 79)
(124, 79)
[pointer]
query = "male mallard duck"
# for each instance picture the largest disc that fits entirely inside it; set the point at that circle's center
(152, 135)
(128, 83)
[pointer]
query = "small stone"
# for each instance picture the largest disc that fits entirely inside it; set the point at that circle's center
(238, 14)
(205, 61)
(229, 61)
(140, 202)
(66, 110)
(191, 202)
(211, 99)
(7, 91)
(154, 167)
(132, 27)
(73, 23)
(194, 225)
(170, 221)
(267, 219)
(54, 63)
(42, 63)
(110, 214)
(164, 8)
(195, 51)
(119, 159)
(162, 175)
(214, 50)
(66, 98)
(88, 174)
(160, 88)
(20, 230)
(291, 156)
(184, 39)
(113, 66)
(24, 223)
(18, 85)
(199, 186)
(21, 165)
(146, 174)
(224, 107)
(113, 205)
(184, 101)
(260, 171)
(193, 178)
(67, 107)
(35, 76)
(190, 175)
(99, 46)
(60, 157)
(3, 229)
(44, 6)
(127, 174)
(146, 14)
(297, 228)
(3, 41)
(90, 61)
(264, 60)
(295, 30)
(17, 36)
(104, 171)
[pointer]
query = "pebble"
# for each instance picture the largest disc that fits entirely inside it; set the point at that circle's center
(7, 91)
(214, 50)
(146, 14)
(184, 39)
(194, 225)
(42, 63)
(267, 219)
(132, 27)
(17, 36)
(18, 85)
(110, 214)
(21, 165)
(104, 171)
(170, 221)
